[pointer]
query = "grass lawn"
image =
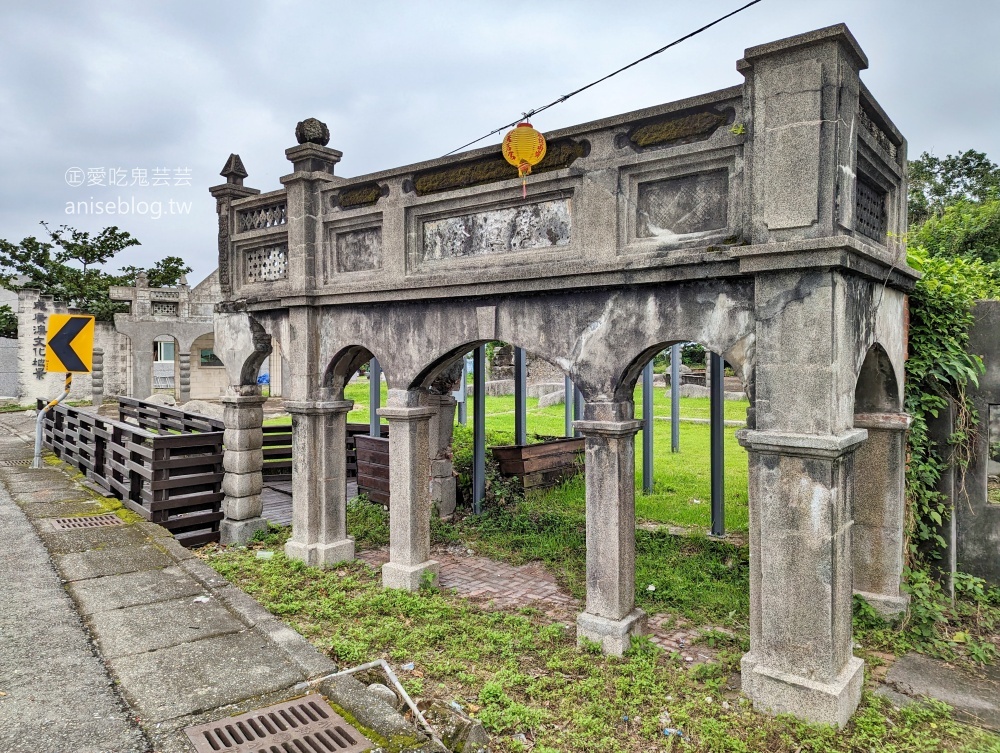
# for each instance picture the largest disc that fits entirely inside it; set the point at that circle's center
(518, 672)
(681, 492)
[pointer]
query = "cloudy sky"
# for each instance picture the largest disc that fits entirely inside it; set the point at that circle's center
(144, 102)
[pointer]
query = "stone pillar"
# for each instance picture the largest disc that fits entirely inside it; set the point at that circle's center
(409, 490)
(142, 369)
(879, 511)
(443, 487)
(184, 379)
(610, 616)
(97, 379)
(319, 483)
(243, 462)
(800, 660)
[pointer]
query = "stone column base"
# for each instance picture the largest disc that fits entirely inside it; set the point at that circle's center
(240, 531)
(775, 692)
(890, 607)
(327, 555)
(321, 555)
(408, 577)
(613, 635)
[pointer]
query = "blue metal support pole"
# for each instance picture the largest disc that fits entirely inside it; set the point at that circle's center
(568, 391)
(647, 429)
(675, 398)
(374, 397)
(520, 397)
(577, 409)
(479, 429)
(718, 428)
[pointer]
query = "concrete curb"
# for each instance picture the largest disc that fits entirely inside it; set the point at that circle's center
(294, 646)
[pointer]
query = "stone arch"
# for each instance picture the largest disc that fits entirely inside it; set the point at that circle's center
(205, 377)
(426, 377)
(737, 356)
(342, 366)
(877, 389)
(162, 376)
(879, 484)
(242, 344)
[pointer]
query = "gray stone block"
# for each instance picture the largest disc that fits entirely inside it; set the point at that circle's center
(157, 625)
(240, 440)
(614, 636)
(557, 397)
(500, 387)
(777, 692)
(541, 389)
(409, 577)
(81, 540)
(203, 675)
(243, 461)
(143, 587)
(242, 506)
(240, 531)
(114, 561)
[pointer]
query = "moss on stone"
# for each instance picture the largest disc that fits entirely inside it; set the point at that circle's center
(364, 195)
(558, 154)
(392, 744)
(677, 130)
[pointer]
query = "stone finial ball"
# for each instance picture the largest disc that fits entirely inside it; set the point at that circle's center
(312, 131)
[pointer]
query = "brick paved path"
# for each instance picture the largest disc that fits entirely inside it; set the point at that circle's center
(505, 586)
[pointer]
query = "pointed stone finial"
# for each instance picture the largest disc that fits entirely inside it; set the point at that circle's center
(234, 172)
(312, 131)
(183, 281)
(141, 281)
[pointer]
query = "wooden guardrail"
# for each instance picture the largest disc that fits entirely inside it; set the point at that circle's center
(173, 478)
(163, 419)
(278, 450)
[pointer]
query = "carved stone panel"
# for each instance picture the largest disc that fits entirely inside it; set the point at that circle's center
(683, 206)
(499, 231)
(358, 250)
(267, 263)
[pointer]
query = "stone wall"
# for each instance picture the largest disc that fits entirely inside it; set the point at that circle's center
(8, 367)
(976, 529)
(33, 381)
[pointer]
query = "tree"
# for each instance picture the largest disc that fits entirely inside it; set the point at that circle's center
(167, 271)
(67, 267)
(936, 184)
(966, 228)
(8, 322)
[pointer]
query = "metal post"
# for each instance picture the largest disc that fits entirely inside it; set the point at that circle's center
(568, 391)
(577, 409)
(463, 404)
(479, 429)
(717, 420)
(647, 429)
(41, 420)
(675, 398)
(374, 397)
(520, 397)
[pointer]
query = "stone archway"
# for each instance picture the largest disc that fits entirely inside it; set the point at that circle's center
(765, 232)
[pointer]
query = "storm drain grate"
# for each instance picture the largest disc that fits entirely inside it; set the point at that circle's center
(305, 725)
(12, 463)
(87, 521)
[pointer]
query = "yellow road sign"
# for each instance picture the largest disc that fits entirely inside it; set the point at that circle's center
(69, 343)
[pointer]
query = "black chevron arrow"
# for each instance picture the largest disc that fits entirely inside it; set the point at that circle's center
(62, 343)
